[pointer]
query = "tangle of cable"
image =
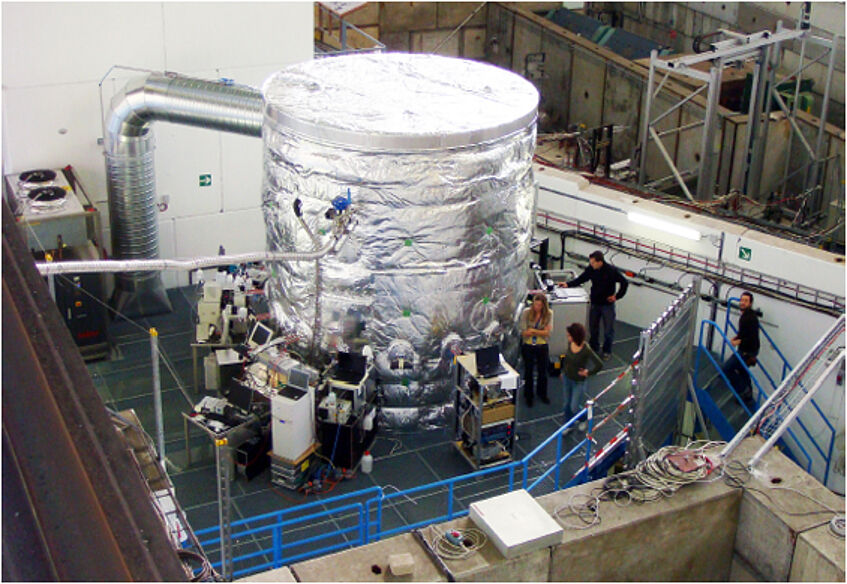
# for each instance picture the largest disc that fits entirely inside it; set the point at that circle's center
(468, 542)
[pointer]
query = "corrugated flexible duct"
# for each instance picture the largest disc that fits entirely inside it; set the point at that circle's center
(131, 180)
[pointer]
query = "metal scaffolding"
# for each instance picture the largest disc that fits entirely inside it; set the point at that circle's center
(763, 48)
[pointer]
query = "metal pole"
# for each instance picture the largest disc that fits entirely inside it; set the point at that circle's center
(797, 82)
(157, 394)
(754, 120)
(708, 152)
(813, 175)
(222, 467)
(795, 411)
(669, 160)
(836, 328)
(645, 120)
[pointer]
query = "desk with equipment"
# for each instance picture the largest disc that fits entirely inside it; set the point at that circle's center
(486, 407)
(347, 412)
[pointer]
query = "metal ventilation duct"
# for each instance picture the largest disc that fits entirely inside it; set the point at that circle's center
(131, 180)
(436, 154)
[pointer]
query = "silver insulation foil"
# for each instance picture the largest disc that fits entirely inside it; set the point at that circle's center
(435, 155)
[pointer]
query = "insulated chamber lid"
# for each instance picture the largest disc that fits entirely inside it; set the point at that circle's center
(402, 101)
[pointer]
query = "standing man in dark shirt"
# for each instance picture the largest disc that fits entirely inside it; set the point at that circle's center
(603, 278)
(746, 342)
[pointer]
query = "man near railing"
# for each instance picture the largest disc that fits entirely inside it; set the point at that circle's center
(746, 342)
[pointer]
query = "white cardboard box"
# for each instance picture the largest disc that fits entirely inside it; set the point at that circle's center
(516, 523)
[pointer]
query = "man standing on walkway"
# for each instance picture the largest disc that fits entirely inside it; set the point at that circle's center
(603, 278)
(746, 342)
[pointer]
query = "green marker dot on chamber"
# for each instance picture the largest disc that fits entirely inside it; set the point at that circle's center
(489, 230)
(408, 243)
(405, 382)
(322, 231)
(407, 312)
(485, 300)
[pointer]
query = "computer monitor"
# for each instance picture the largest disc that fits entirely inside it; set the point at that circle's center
(351, 367)
(259, 336)
(299, 379)
(241, 397)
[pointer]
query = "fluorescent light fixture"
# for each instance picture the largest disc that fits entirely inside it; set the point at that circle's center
(663, 225)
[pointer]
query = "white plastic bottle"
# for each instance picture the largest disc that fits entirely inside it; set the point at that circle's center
(367, 462)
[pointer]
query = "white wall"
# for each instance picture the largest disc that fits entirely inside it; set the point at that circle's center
(52, 115)
(568, 194)
(794, 329)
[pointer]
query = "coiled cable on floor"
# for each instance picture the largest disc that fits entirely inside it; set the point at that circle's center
(583, 506)
(836, 526)
(457, 544)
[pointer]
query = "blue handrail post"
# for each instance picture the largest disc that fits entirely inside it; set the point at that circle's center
(277, 542)
(589, 413)
(363, 524)
(378, 518)
(450, 501)
(558, 457)
(511, 477)
(525, 480)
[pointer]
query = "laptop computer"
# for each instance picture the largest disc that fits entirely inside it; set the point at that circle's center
(488, 362)
(350, 368)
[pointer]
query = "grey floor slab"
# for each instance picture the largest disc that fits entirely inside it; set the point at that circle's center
(403, 460)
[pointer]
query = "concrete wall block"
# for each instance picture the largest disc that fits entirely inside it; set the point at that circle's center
(355, 565)
(672, 535)
(752, 17)
(451, 14)
(498, 48)
(763, 540)
(818, 557)
(427, 42)
(489, 565)
(396, 41)
(772, 517)
(367, 15)
(527, 40)
(586, 97)
(473, 42)
(555, 86)
(283, 574)
(741, 571)
(407, 16)
(622, 106)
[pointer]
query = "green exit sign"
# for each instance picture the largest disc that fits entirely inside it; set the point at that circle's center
(205, 180)
(745, 253)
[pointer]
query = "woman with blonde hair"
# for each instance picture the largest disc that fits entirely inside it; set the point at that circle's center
(536, 326)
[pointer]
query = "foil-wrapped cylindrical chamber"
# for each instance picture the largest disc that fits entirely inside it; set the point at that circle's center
(436, 156)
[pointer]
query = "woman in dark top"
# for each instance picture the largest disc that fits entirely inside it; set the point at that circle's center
(577, 364)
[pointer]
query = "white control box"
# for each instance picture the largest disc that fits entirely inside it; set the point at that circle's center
(293, 429)
(516, 523)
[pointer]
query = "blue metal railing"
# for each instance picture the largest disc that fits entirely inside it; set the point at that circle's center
(369, 508)
(721, 423)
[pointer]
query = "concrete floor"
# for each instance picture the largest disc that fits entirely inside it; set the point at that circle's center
(401, 460)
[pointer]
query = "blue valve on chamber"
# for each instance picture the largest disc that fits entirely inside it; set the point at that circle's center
(340, 203)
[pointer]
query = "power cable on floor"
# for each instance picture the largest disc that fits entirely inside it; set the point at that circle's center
(456, 544)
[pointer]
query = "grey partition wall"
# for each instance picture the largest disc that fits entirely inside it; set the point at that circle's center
(661, 375)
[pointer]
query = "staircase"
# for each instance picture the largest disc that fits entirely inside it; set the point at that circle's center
(727, 414)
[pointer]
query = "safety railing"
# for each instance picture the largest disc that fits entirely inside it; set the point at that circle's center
(786, 369)
(363, 510)
(717, 417)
